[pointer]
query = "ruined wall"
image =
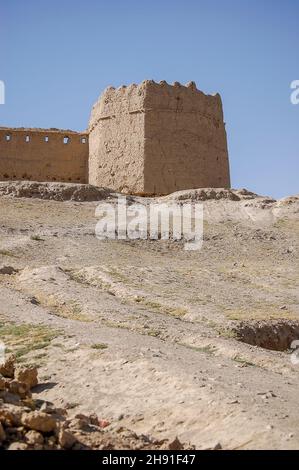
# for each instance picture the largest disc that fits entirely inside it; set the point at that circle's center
(185, 139)
(116, 139)
(151, 138)
(43, 155)
(157, 138)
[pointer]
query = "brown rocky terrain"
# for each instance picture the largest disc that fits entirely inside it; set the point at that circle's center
(33, 424)
(149, 337)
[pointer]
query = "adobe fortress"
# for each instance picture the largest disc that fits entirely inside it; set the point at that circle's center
(152, 138)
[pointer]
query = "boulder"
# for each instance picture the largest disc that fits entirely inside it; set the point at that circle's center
(34, 437)
(27, 375)
(10, 415)
(18, 446)
(8, 368)
(38, 421)
(66, 439)
(18, 388)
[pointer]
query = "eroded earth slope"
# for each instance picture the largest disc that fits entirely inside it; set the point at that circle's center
(159, 340)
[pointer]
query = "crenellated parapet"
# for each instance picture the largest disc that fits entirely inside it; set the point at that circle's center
(150, 94)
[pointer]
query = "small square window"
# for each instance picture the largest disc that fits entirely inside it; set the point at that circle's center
(66, 139)
(8, 137)
(46, 138)
(27, 138)
(83, 140)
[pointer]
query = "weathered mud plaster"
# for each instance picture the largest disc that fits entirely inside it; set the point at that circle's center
(158, 138)
(43, 155)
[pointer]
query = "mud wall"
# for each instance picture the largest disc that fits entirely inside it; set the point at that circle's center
(116, 139)
(43, 155)
(185, 139)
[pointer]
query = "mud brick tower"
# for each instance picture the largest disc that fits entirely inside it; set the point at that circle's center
(156, 138)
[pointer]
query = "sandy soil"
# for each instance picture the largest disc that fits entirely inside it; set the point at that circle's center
(148, 335)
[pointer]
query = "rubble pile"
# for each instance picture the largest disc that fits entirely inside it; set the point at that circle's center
(27, 423)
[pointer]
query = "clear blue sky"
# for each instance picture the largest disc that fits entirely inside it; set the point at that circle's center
(57, 56)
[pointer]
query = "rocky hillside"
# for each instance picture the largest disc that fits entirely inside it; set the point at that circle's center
(146, 335)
